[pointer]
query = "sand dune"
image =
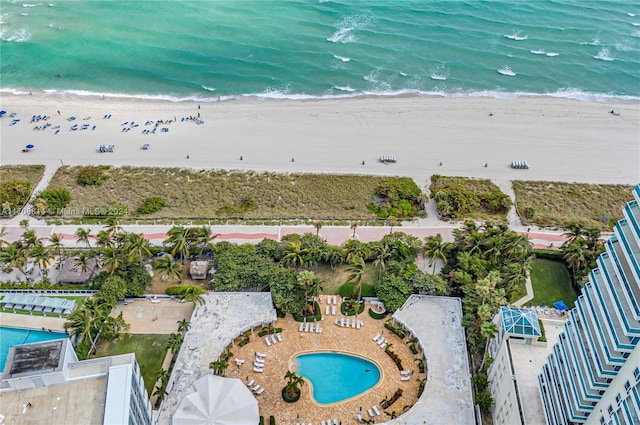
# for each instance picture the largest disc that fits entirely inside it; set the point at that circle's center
(560, 139)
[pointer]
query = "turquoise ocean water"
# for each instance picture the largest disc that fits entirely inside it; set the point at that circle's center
(585, 49)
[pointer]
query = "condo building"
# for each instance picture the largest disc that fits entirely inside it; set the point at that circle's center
(592, 375)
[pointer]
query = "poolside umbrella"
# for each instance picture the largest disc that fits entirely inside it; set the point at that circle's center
(217, 401)
(29, 146)
(3, 112)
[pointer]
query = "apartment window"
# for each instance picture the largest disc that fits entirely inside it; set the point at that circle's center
(610, 409)
(627, 386)
(618, 399)
(636, 373)
(601, 420)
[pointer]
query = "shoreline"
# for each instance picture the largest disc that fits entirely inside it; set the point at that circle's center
(602, 98)
(561, 139)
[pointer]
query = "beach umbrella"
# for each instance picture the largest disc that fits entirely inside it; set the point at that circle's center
(217, 401)
(29, 146)
(3, 112)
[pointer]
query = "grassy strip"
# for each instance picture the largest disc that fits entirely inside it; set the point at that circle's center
(556, 204)
(150, 351)
(210, 194)
(12, 197)
(551, 282)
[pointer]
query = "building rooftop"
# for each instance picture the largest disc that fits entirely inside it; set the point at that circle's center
(437, 323)
(29, 359)
(520, 322)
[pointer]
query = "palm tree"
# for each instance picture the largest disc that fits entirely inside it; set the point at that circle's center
(178, 242)
(295, 254)
(111, 260)
(104, 239)
(354, 248)
(82, 262)
(174, 342)
(55, 241)
(193, 294)
(574, 231)
(24, 223)
(183, 326)
(83, 236)
(15, 255)
(383, 255)
(356, 272)
(293, 383)
(3, 233)
(203, 238)
(308, 281)
(30, 239)
(412, 344)
(435, 248)
(113, 228)
(574, 255)
(42, 256)
(168, 267)
(392, 221)
(318, 226)
(137, 248)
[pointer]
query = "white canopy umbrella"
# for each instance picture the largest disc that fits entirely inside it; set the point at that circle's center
(218, 401)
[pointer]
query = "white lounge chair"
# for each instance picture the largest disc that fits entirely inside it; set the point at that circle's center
(279, 337)
(301, 327)
(260, 391)
(353, 323)
(358, 325)
(268, 341)
(258, 369)
(333, 310)
(318, 329)
(405, 378)
(250, 383)
(258, 362)
(375, 409)
(383, 345)
(335, 421)
(342, 321)
(381, 340)
(370, 412)
(377, 337)
(306, 327)
(255, 387)
(324, 422)
(312, 328)
(359, 417)
(327, 310)
(259, 354)
(273, 339)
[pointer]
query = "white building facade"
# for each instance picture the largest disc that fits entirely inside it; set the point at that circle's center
(592, 375)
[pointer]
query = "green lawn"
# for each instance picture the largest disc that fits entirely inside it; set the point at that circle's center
(332, 280)
(150, 351)
(551, 282)
(518, 292)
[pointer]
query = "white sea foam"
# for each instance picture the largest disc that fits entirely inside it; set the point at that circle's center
(635, 24)
(631, 14)
(208, 88)
(344, 88)
(604, 54)
(440, 72)
(537, 52)
(342, 58)
(404, 74)
(19, 35)
(553, 54)
(346, 27)
(506, 70)
(372, 77)
(516, 35)
(31, 5)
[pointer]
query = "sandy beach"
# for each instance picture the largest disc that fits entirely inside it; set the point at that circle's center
(560, 139)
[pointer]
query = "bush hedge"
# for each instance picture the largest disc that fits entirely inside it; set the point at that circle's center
(377, 316)
(298, 317)
(398, 331)
(286, 398)
(151, 205)
(91, 176)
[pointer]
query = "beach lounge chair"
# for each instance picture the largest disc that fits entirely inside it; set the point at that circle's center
(301, 328)
(260, 391)
(324, 423)
(258, 369)
(259, 354)
(405, 378)
(268, 341)
(370, 412)
(258, 363)
(333, 310)
(335, 421)
(306, 327)
(342, 321)
(327, 310)
(255, 387)
(405, 372)
(377, 337)
(353, 323)
(358, 325)
(359, 417)
(375, 409)
(250, 383)
(318, 329)
(279, 337)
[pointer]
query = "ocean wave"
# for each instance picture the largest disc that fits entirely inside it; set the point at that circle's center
(19, 35)
(573, 94)
(506, 70)
(344, 88)
(516, 35)
(553, 54)
(346, 27)
(604, 54)
(342, 58)
(537, 52)
(31, 5)
(635, 24)
(207, 88)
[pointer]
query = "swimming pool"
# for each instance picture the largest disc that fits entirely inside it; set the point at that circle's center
(337, 376)
(17, 336)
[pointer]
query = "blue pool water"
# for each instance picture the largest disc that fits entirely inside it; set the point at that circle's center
(335, 376)
(17, 336)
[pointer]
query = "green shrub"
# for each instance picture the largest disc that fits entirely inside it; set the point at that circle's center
(300, 318)
(272, 420)
(176, 290)
(52, 201)
(151, 205)
(398, 331)
(377, 316)
(269, 331)
(13, 195)
(543, 337)
(261, 420)
(484, 401)
(91, 176)
(480, 382)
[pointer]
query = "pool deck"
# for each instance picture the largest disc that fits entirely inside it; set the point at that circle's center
(32, 322)
(225, 314)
